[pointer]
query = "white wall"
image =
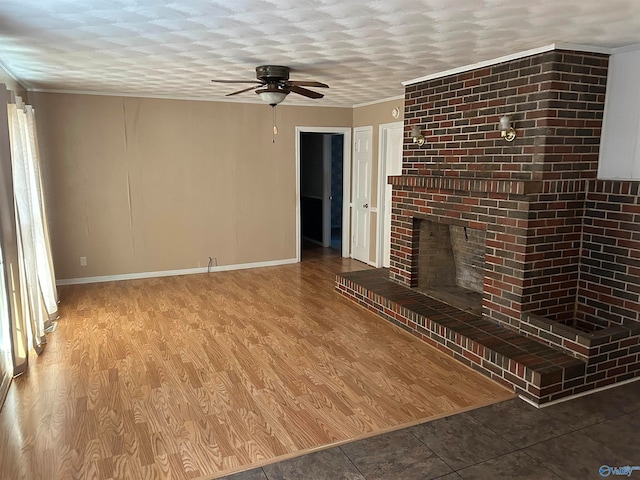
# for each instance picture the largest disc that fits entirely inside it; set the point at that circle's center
(620, 142)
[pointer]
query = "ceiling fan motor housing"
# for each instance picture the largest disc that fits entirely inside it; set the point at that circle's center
(272, 73)
(273, 84)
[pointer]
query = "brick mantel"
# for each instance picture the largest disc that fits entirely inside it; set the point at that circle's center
(515, 187)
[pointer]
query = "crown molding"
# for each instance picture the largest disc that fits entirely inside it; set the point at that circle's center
(627, 48)
(375, 102)
(510, 57)
(256, 101)
(13, 76)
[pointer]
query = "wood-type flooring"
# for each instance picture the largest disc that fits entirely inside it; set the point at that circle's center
(202, 375)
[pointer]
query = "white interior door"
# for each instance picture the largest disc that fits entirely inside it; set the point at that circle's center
(361, 216)
(391, 161)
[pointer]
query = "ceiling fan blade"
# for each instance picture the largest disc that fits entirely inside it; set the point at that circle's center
(235, 81)
(304, 92)
(303, 83)
(253, 87)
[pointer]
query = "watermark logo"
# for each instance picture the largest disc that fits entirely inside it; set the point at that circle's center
(625, 471)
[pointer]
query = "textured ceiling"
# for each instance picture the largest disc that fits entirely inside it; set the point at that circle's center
(362, 49)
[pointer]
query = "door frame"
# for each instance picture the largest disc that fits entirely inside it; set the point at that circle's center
(383, 128)
(327, 156)
(346, 185)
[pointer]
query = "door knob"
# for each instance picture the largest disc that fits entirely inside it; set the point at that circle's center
(366, 205)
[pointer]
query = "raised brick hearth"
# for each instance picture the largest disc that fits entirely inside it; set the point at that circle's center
(532, 368)
(560, 309)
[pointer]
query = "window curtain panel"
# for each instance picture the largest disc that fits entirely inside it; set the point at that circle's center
(44, 264)
(37, 277)
(10, 296)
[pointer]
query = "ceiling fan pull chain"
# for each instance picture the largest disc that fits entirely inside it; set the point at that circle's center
(275, 128)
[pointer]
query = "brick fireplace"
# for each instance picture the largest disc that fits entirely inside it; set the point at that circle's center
(530, 265)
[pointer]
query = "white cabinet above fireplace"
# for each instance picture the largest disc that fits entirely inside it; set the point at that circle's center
(620, 141)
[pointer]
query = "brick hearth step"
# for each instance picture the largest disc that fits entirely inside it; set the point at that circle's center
(533, 369)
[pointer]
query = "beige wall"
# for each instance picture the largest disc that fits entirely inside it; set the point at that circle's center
(376, 115)
(143, 185)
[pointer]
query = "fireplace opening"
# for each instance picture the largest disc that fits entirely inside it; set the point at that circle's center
(451, 264)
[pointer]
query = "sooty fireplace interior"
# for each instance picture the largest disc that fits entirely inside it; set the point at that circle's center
(451, 264)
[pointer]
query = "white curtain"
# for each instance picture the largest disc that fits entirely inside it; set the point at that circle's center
(36, 267)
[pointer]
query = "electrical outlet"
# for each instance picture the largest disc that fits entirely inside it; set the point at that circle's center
(83, 261)
(213, 262)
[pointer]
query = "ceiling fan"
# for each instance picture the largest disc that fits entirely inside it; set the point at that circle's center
(273, 85)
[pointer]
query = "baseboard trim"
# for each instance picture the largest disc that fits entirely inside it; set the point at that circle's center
(171, 273)
(578, 395)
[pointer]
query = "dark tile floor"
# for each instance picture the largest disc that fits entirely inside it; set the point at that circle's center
(511, 439)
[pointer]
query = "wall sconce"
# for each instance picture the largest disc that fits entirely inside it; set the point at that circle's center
(506, 130)
(417, 136)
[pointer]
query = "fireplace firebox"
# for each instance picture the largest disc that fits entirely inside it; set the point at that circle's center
(451, 264)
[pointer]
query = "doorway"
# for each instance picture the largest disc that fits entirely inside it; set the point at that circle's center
(323, 164)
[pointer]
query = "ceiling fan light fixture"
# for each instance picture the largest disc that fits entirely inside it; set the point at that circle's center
(271, 95)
